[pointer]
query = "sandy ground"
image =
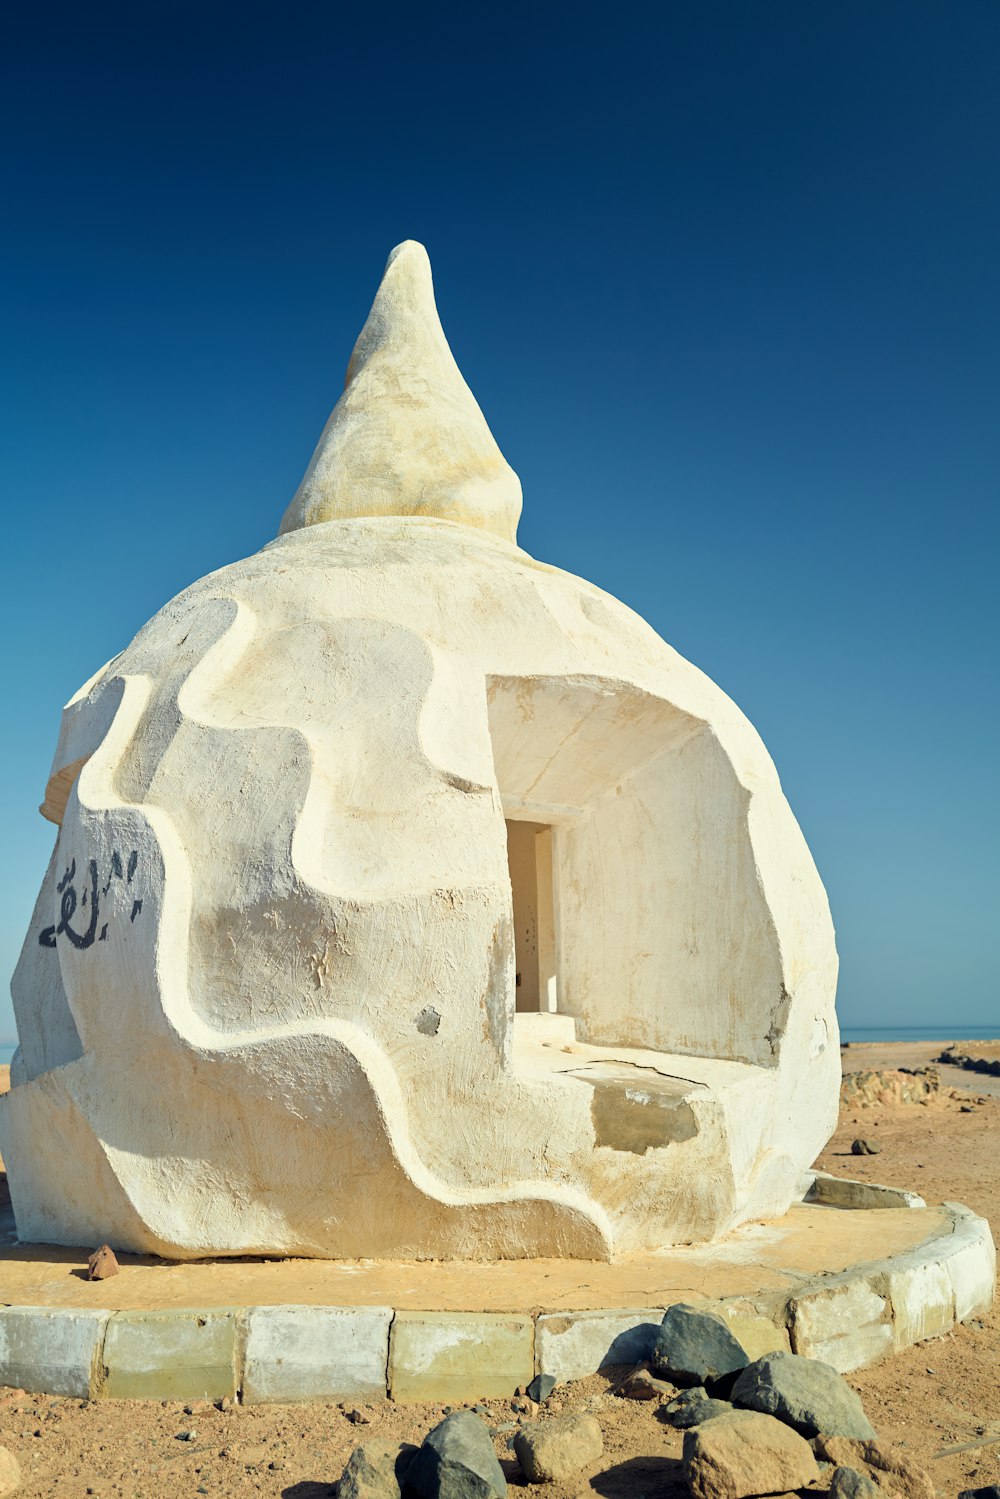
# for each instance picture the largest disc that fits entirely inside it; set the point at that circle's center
(936, 1397)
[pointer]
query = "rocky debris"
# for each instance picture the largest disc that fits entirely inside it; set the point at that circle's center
(865, 1147)
(848, 1483)
(553, 1451)
(356, 1417)
(746, 1453)
(457, 1461)
(692, 1407)
(641, 1385)
(976, 1056)
(541, 1387)
(804, 1393)
(101, 1265)
(889, 1469)
(376, 1470)
(10, 1473)
(864, 1089)
(695, 1347)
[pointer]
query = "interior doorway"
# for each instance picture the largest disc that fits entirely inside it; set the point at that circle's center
(529, 859)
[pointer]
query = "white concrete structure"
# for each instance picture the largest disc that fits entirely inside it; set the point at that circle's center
(321, 816)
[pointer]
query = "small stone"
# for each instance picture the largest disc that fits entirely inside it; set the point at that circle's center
(848, 1483)
(10, 1473)
(456, 1461)
(887, 1467)
(276, 1465)
(187, 1436)
(746, 1453)
(376, 1470)
(641, 1385)
(553, 1451)
(358, 1418)
(804, 1393)
(968, 1108)
(102, 1264)
(865, 1147)
(694, 1346)
(692, 1407)
(541, 1387)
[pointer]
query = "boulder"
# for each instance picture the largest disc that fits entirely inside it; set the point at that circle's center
(694, 1346)
(848, 1483)
(457, 1461)
(553, 1451)
(746, 1453)
(692, 1407)
(376, 1470)
(890, 1470)
(804, 1393)
(10, 1473)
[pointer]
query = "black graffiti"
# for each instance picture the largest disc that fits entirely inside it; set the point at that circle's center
(89, 898)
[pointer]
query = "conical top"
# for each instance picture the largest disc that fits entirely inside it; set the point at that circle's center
(407, 436)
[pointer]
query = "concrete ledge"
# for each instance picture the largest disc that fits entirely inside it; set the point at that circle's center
(318, 1352)
(842, 1192)
(459, 1355)
(51, 1352)
(183, 1355)
(294, 1353)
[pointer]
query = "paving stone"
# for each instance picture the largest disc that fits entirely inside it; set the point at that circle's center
(170, 1355)
(459, 1356)
(807, 1394)
(848, 1326)
(51, 1352)
(553, 1451)
(746, 1453)
(571, 1345)
(694, 1346)
(315, 1353)
(457, 1461)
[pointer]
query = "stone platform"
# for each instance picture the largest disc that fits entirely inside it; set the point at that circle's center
(846, 1284)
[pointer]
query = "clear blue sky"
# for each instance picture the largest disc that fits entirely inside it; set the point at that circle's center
(724, 278)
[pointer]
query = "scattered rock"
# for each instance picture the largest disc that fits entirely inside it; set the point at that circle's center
(889, 1469)
(376, 1470)
(102, 1264)
(805, 1393)
(746, 1453)
(457, 1461)
(358, 1418)
(695, 1347)
(865, 1147)
(541, 1387)
(848, 1483)
(553, 1451)
(692, 1407)
(968, 1108)
(10, 1473)
(187, 1436)
(641, 1385)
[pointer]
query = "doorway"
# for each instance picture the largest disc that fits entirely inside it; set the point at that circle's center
(529, 859)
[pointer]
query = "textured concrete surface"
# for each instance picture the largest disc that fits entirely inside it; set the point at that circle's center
(315, 1353)
(47, 1351)
(170, 1356)
(571, 1345)
(459, 1356)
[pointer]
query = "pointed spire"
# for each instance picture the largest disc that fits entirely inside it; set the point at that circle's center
(407, 436)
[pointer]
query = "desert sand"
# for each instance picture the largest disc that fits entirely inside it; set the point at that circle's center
(939, 1400)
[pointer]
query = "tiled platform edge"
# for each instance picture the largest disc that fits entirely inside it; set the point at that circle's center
(324, 1353)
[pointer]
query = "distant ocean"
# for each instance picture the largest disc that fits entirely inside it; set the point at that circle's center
(854, 1033)
(859, 1033)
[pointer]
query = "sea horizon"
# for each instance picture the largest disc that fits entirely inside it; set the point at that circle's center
(855, 1035)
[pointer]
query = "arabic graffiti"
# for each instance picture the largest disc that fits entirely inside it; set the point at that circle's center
(89, 899)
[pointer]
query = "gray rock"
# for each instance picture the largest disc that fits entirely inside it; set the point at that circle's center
(376, 1470)
(848, 1483)
(457, 1461)
(804, 1393)
(695, 1347)
(692, 1407)
(541, 1387)
(865, 1147)
(991, 1491)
